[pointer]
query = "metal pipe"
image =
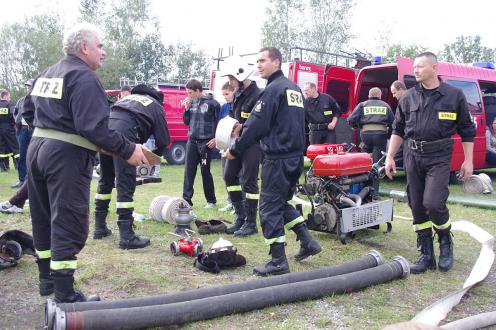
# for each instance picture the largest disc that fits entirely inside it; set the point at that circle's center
(238, 302)
(372, 259)
(364, 192)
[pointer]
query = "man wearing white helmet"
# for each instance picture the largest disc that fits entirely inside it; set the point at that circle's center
(241, 174)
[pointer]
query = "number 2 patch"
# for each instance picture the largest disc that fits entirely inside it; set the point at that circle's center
(48, 87)
(294, 98)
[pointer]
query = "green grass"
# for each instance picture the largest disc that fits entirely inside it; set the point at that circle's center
(115, 273)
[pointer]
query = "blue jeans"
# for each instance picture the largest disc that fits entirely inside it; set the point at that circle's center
(23, 137)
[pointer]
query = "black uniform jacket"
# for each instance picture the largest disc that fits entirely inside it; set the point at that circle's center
(372, 111)
(278, 121)
(69, 97)
(244, 102)
(444, 115)
(321, 110)
(202, 118)
(6, 112)
(150, 117)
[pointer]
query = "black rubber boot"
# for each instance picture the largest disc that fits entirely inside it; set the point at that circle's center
(64, 288)
(250, 226)
(46, 282)
(308, 245)
(277, 266)
(239, 209)
(426, 260)
(129, 240)
(101, 229)
(445, 249)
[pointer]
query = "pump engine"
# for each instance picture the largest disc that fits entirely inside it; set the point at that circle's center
(339, 186)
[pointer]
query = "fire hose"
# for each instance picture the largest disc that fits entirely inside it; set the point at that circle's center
(237, 302)
(372, 259)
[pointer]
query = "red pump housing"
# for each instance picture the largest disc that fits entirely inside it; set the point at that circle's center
(342, 164)
(314, 150)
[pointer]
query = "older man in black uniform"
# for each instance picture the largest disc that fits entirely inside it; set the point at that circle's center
(322, 114)
(241, 173)
(278, 122)
(136, 116)
(70, 112)
(427, 116)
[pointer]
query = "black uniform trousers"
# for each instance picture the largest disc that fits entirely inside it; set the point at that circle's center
(197, 152)
(59, 177)
(427, 187)
(279, 179)
(118, 171)
(322, 136)
(9, 146)
(241, 175)
(375, 143)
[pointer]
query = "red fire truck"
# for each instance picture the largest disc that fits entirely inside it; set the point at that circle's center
(477, 83)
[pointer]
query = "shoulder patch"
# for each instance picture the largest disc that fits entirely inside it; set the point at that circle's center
(139, 98)
(258, 106)
(48, 87)
(294, 98)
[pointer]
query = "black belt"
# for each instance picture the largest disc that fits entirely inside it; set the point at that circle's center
(318, 127)
(429, 146)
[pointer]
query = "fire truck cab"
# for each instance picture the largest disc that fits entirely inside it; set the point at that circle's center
(477, 83)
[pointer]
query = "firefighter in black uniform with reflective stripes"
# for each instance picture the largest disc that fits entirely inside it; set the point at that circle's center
(70, 111)
(136, 116)
(8, 142)
(373, 117)
(241, 173)
(427, 116)
(322, 114)
(201, 114)
(278, 122)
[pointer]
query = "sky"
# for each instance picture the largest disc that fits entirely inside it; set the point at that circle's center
(214, 24)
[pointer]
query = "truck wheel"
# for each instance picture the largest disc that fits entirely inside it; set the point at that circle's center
(177, 153)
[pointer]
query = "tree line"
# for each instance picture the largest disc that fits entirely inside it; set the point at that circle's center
(135, 49)
(133, 43)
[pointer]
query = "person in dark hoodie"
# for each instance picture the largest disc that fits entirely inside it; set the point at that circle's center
(201, 114)
(136, 116)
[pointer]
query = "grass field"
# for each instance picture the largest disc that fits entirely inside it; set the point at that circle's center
(115, 273)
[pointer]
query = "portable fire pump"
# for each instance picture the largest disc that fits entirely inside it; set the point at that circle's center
(339, 185)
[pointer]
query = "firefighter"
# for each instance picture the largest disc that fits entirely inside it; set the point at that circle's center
(322, 114)
(398, 89)
(201, 114)
(373, 117)
(427, 116)
(241, 174)
(8, 141)
(277, 122)
(136, 117)
(70, 112)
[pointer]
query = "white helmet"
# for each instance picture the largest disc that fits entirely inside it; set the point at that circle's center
(237, 67)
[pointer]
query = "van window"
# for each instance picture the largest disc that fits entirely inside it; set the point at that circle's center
(340, 91)
(471, 92)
